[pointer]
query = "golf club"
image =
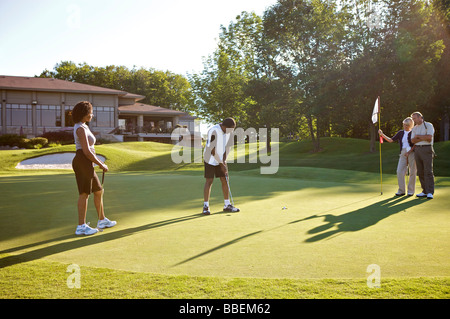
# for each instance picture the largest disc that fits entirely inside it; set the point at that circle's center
(229, 190)
(103, 180)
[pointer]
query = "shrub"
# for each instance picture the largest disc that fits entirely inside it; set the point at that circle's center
(11, 140)
(38, 142)
(22, 142)
(60, 137)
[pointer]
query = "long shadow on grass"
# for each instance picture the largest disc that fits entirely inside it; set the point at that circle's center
(358, 219)
(83, 241)
(228, 243)
(352, 221)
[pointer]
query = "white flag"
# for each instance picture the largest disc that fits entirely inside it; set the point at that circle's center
(376, 110)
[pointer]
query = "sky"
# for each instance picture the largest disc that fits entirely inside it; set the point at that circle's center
(172, 35)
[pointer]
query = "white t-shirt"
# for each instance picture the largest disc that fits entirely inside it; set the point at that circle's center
(405, 143)
(218, 140)
(90, 137)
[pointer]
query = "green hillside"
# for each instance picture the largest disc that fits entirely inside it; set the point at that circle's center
(336, 153)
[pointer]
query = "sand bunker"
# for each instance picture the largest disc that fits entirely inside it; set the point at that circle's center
(51, 161)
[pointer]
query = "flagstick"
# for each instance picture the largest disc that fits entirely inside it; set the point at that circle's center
(379, 127)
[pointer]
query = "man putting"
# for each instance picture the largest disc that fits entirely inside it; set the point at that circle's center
(218, 144)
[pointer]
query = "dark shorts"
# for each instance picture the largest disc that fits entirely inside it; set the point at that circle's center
(87, 179)
(211, 171)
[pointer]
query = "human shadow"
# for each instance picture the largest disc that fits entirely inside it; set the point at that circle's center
(358, 219)
(82, 241)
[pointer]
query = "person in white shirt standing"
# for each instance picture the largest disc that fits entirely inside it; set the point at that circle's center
(406, 160)
(218, 144)
(422, 136)
(83, 166)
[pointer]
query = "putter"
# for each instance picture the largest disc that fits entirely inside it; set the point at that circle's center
(229, 190)
(103, 180)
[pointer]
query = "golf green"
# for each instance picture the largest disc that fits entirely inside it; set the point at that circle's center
(329, 229)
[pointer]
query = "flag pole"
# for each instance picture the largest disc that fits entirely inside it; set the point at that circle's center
(379, 128)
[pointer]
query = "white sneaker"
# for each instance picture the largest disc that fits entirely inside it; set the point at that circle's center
(231, 208)
(430, 196)
(106, 223)
(421, 195)
(85, 230)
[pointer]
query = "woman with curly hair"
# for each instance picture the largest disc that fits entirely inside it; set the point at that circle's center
(83, 165)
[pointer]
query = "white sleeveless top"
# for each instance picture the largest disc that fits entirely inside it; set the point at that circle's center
(91, 138)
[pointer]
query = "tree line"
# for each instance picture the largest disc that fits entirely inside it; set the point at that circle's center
(312, 68)
(315, 68)
(160, 88)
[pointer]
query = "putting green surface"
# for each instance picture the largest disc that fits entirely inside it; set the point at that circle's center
(330, 229)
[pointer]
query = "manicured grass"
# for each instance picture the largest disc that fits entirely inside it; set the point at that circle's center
(44, 279)
(335, 225)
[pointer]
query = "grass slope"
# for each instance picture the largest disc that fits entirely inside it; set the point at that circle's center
(337, 153)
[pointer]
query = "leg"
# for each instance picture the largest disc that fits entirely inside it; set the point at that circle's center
(226, 195)
(98, 202)
(82, 208)
(412, 174)
(419, 165)
(428, 175)
(207, 189)
(401, 172)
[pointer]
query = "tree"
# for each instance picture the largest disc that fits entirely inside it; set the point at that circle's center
(309, 36)
(160, 88)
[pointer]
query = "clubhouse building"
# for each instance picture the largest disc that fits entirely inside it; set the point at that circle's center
(31, 106)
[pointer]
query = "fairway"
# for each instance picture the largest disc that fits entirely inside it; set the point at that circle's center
(329, 229)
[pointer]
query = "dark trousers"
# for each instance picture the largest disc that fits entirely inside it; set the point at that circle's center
(424, 162)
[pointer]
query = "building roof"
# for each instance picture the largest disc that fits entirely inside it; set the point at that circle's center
(136, 97)
(145, 109)
(52, 85)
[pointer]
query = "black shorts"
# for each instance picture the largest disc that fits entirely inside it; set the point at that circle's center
(87, 179)
(211, 171)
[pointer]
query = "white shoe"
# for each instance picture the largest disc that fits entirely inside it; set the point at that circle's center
(85, 230)
(430, 196)
(231, 208)
(421, 195)
(106, 223)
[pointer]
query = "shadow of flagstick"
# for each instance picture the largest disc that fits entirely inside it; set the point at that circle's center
(231, 242)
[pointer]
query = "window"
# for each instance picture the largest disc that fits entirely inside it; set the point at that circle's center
(48, 115)
(103, 116)
(19, 115)
(68, 115)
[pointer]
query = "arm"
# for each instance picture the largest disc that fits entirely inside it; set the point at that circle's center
(81, 133)
(419, 138)
(222, 164)
(428, 137)
(387, 138)
(410, 151)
